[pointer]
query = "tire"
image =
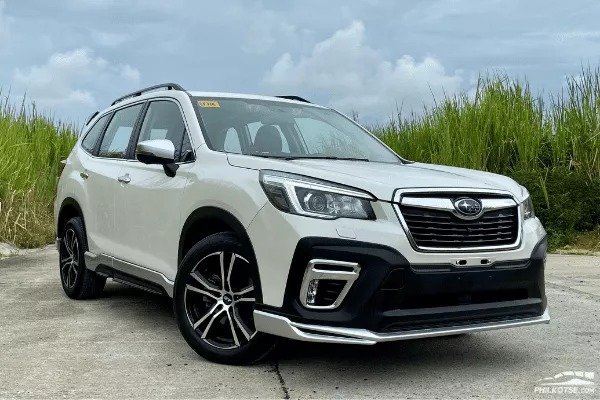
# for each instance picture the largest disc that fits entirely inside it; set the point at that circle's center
(78, 282)
(214, 300)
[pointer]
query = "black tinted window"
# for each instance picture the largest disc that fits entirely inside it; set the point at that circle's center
(116, 139)
(164, 121)
(91, 138)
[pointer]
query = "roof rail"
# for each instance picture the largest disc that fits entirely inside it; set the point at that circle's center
(297, 98)
(168, 86)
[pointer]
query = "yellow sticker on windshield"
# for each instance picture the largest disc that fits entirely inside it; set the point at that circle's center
(208, 103)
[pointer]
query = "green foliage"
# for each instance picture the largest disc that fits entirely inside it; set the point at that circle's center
(553, 149)
(31, 147)
(572, 202)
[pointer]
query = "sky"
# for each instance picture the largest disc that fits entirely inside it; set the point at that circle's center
(73, 57)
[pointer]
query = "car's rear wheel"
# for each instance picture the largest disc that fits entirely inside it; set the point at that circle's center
(78, 282)
(214, 302)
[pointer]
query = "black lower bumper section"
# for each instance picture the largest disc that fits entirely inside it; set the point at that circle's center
(392, 295)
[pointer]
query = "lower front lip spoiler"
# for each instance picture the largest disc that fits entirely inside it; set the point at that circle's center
(282, 326)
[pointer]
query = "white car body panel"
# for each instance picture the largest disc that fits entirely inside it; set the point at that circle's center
(147, 214)
(96, 200)
(382, 180)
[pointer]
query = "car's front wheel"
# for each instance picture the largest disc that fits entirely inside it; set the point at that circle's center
(214, 301)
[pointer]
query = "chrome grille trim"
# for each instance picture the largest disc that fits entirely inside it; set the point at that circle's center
(445, 204)
(411, 197)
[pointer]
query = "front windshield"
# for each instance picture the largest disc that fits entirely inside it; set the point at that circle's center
(286, 130)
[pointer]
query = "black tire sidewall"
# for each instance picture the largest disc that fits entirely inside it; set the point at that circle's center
(249, 352)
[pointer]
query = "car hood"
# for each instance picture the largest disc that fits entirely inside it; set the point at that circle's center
(382, 179)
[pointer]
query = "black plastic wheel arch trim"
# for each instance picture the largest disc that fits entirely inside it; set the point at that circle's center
(232, 222)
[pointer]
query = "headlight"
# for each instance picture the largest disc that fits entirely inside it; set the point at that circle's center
(314, 198)
(527, 206)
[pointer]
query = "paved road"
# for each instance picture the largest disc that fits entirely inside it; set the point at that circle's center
(127, 344)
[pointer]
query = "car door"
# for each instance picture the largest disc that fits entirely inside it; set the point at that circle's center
(97, 201)
(150, 201)
(100, 172)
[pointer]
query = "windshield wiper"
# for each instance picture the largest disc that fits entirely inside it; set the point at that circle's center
(325, 158)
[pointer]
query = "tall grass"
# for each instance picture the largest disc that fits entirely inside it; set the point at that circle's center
(503, 127)
(552, 147)
(31, 147)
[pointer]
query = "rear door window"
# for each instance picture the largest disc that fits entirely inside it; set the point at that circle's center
(91, 138)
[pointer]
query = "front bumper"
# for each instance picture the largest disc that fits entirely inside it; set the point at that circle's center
(281, 326)
(394, 299)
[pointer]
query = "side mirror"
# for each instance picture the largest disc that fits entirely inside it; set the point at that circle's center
(158, 151)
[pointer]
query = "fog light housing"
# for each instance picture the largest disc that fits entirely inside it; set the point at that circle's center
(326, 283)
(311, 294)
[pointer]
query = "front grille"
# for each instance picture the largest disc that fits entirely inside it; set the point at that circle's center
(440, 229)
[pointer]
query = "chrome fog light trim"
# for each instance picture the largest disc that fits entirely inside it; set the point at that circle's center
(319, 269)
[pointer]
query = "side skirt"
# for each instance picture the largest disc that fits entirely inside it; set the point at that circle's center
(129, 274)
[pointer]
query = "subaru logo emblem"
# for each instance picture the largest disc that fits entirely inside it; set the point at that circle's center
(468, 207)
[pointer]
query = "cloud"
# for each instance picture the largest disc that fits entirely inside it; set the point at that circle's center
(130, 5)
(565, 36)
(359, 77)
(260, 28)
(70, 80)
(4, 22)
(109, 39)
(437, 11)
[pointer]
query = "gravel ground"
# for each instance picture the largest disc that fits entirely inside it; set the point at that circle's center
(127, 345)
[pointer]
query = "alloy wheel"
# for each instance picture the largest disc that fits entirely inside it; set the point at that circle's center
(219, 300)
(69, 259)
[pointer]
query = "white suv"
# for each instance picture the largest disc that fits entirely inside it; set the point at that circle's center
(270, 216)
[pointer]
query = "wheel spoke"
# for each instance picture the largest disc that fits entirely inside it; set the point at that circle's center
(235, 338)
(248, 299)
(75, 249)
(201, 280)
(74, 272)
(244, 291)
(245, 331)
(65, 261)
(72, 242)
(204, 292)
(233, 257)
(68, 277)
(208, 314)
(211, 322)
(222, 263)
(68, 243)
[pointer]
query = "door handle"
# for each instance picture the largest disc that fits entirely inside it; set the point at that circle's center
(124, 179)
(84, 175)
